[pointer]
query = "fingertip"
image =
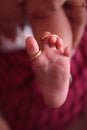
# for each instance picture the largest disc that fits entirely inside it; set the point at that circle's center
(27, 39)
(31, 45)
(67, 51)
(30, 42)
(52, 40)
(60, 42)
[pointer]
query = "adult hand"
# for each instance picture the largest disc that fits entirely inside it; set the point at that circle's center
(77, 18)
(76, 15)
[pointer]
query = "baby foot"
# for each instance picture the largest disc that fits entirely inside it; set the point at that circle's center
(52, 68)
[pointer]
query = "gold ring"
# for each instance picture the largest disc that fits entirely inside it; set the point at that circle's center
(49, 35)
(77, 4)
(35, 56)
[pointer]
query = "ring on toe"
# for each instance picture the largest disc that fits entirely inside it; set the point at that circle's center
(35, 56)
